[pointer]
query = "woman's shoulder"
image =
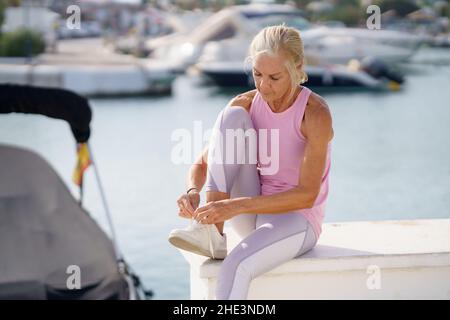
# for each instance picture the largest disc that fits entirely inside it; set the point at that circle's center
(316, 105)
(243, 100)
(316, 101)
(317, 112)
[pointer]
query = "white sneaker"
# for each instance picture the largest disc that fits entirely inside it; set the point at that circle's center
(202, 239)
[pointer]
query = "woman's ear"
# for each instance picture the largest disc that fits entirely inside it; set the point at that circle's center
(299, 67)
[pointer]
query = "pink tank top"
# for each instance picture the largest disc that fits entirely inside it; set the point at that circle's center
(291, 145)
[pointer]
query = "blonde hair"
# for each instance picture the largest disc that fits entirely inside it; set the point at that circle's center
(271, 40)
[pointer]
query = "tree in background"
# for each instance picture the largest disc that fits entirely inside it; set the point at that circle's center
(401, 7)
(2, 12)
(21, 42)
(349, 12)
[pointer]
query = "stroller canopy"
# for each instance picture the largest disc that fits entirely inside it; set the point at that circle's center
(44, 231)
(52, 102)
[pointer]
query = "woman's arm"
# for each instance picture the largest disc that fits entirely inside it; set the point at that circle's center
(197, 172)
(319, 133)
(189, 201)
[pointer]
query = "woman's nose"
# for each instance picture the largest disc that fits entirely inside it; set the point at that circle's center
(264, 85)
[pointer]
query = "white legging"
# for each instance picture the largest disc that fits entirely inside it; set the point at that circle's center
(267, 240)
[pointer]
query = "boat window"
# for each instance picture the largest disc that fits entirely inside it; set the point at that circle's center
(225, 32)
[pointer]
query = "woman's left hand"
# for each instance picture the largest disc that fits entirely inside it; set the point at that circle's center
(215, 212)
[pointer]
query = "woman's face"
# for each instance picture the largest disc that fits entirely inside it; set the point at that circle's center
(271, 77)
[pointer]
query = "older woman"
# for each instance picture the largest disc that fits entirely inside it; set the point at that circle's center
(275, 204)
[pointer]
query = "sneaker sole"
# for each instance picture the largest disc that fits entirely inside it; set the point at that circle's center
(188, 246)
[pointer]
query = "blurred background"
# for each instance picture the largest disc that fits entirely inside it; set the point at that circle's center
(149, 68)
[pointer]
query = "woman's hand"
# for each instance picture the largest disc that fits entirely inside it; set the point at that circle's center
(216, 211)
(187, 204)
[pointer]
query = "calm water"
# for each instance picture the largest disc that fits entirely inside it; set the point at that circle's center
(391, 160)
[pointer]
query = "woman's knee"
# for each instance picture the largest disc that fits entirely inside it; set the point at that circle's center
(236, 117)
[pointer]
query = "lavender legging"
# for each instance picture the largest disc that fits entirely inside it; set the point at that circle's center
(267, 240)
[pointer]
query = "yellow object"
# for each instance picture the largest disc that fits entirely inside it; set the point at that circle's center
(394, 86)
(83, 162)
(354, 65)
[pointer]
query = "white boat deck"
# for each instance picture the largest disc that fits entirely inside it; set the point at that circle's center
(404, 259)
(88, 67)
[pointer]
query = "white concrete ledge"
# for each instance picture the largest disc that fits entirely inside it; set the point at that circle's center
(405, 259)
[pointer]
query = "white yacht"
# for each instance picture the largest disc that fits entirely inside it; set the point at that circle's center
(238, 24)
(371, 74)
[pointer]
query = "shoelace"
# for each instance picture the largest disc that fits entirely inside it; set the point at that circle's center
(210, 243)
(211, 251)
